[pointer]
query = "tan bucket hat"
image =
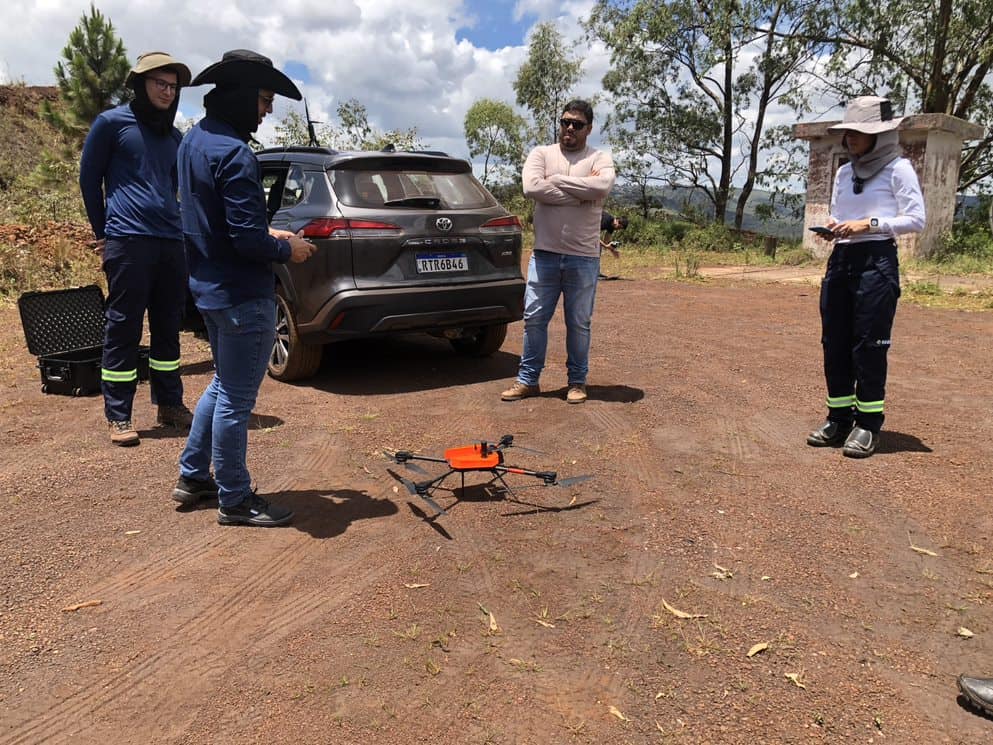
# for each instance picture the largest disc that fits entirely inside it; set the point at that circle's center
(156, 60)
(869, 115)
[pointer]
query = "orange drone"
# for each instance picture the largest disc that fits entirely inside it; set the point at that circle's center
(483, 456)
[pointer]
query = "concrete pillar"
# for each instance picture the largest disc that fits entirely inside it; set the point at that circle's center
(932, 142)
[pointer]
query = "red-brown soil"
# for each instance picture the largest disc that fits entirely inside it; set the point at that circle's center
(365, 623)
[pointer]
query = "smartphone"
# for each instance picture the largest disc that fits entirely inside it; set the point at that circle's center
(821, 230)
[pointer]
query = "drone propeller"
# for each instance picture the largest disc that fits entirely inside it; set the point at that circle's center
(506, 442)
(573, 480)
(403, 458)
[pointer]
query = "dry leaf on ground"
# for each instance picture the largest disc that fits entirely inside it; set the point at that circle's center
(760, 647)
(680, 613)
(78, 606)
(616, 712)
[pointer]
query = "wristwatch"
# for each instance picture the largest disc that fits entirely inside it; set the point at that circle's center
(873, 224)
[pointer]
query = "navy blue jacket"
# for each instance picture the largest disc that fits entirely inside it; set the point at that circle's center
(228, 247)
(127, 176)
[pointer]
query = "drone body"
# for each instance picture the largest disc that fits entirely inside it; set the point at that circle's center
(483, 456)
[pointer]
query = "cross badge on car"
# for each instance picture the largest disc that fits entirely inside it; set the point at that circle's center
(444, 224)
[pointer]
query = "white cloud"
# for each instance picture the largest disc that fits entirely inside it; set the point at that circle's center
(402, 60)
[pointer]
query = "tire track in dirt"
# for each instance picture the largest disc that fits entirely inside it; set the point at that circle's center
(208, 642)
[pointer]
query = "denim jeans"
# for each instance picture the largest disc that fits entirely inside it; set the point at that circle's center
(575, 278)
(241, 341)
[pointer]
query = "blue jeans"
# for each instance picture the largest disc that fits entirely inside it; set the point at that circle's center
(575, 278)
(241, 341)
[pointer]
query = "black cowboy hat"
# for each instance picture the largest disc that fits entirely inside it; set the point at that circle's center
(243, 67)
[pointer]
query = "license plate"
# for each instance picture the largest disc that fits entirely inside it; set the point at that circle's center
(428, 263)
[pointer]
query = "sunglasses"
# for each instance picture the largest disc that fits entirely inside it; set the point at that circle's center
(163, 85)
(576, 124)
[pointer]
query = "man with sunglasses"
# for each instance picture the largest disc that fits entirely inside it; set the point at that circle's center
(569, 182)
(127, 176)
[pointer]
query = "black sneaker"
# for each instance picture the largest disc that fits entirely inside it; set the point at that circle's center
(254, 510)
(190, 491)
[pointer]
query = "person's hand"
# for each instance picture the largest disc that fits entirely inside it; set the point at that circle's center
(300, 248)
(849, 228)
(97, 245)
(282, 234)
(612, 247)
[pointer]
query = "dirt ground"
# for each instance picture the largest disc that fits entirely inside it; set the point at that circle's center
(551, 619)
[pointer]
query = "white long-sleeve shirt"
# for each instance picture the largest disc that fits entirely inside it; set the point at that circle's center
(568, 197)
(893, 196)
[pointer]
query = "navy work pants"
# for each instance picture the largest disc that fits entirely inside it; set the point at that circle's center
(143, 273)
(858, 302)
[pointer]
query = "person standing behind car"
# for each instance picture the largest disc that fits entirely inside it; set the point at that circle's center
(876, 197)
(231, 250)
(127, 176)
(569, 182)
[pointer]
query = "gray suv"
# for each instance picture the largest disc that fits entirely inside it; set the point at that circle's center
(406, 241)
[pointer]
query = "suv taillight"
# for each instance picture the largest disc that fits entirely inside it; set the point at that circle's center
(326, 227)
(508, 224)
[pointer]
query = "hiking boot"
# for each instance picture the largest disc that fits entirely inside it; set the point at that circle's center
(576, 394)
(861, 443)
(254, 510)
(190, 491)
(829, 433)
(978, 692)
(519, 390)
(123, 433)
(177, 416)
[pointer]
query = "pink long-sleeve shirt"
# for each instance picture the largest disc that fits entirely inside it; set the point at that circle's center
(568, 197)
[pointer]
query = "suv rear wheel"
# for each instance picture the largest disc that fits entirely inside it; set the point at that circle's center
(484, 342)
(291, 359)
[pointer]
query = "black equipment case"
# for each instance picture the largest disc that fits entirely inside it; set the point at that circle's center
(64, 329)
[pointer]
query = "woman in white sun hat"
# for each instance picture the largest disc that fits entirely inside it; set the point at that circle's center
(876, 197)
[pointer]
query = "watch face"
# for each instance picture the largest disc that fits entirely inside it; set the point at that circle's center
(874, 222)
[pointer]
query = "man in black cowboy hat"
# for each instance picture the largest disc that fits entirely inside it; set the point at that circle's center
(230, 250)
(127, 175)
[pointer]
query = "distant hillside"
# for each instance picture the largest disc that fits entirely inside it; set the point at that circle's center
(23, 133)
(686, 201)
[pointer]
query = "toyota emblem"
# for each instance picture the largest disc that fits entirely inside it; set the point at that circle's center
(444, 224)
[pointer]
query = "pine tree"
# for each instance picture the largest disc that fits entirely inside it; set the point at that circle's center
(90, 75)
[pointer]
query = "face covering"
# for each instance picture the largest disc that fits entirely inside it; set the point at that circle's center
(238, 107)
(158, 120)
(886, 150)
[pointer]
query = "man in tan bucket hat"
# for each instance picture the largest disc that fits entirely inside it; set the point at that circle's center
(128, 178)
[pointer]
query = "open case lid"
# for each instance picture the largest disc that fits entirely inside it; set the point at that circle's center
(61, 320)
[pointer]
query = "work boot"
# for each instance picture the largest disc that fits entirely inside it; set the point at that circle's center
(861, 443)
(255, 511)
(576, 394)
(177, 416)
(519, 390)
(190, 491)
(123, 433)
(829, 433)
(978, 692)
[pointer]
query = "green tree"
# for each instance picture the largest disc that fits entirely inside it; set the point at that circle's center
(693, 82)
(931, 56)
(496, 133)
(90, 75)
(353, 132)
(545, 79)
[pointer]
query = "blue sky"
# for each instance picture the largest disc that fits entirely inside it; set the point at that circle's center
(496, 26)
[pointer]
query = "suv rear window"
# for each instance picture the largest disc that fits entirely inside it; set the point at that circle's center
(405, 189)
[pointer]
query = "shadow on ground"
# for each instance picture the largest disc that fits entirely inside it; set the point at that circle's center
(899, 442)
(404, 364)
